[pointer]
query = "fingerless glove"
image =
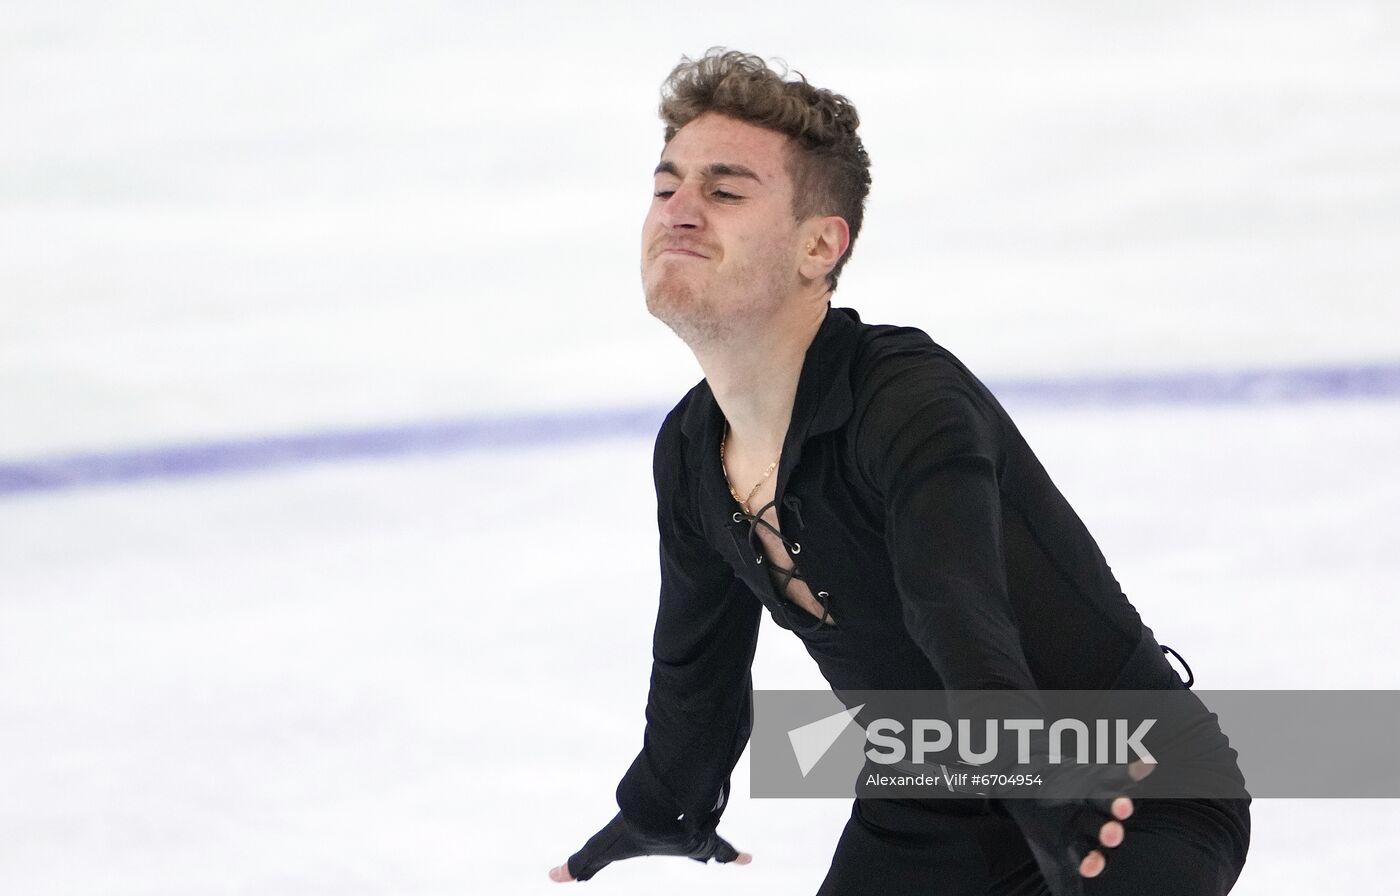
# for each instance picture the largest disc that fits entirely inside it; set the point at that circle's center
(618, 840)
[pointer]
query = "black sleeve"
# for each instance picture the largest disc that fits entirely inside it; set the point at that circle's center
(931, 446)
(932, 449)
(699, 708)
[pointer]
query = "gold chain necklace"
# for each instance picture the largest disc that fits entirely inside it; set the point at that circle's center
(743, 502)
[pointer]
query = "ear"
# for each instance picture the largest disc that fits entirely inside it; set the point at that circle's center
(825, 240)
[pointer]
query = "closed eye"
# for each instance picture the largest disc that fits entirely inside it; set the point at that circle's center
(718, 194)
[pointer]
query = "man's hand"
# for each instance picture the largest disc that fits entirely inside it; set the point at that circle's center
(1110, 835)
(1063, 832)
(616, 841)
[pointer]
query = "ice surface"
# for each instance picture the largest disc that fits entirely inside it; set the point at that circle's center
(424, 674)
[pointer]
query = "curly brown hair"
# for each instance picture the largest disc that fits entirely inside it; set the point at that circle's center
(829, 167)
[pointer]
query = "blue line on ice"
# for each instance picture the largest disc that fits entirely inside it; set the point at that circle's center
(266, 452)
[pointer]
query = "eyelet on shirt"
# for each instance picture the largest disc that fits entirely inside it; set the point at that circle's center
(796, 548)
(805, 623)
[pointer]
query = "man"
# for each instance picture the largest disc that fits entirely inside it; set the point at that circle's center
(859, 483)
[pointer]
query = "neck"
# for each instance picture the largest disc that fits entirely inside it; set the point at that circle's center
(754, 377)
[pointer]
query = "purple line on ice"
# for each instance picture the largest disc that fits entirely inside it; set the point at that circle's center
(1209, 387)
(542, 430)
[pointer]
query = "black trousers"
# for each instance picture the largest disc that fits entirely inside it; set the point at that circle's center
(970, 847)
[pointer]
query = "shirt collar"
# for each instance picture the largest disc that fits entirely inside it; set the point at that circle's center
(823, 402)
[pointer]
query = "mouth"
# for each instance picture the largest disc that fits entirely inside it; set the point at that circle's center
(681, 251)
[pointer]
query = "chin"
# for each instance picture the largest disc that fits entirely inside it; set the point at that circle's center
(681, 308)
(669, 296)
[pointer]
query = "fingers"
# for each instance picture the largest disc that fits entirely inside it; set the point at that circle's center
(1092, 864)
(743, 858)
(560, 874)
(1111, 834)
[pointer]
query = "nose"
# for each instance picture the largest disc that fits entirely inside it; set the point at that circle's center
(682, 209)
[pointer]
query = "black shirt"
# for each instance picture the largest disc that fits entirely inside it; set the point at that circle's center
(914, 508)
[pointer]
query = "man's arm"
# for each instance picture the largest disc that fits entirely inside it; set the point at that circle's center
(933, 453)
(932, 448)
(700, 703)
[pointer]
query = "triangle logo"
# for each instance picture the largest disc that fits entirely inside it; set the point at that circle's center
(811, 741)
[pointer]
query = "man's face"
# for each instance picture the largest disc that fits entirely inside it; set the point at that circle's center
(719, 245)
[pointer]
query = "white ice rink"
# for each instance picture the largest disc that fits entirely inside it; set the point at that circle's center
(371, 669)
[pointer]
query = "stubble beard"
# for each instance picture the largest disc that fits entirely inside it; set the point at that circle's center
(702, 316)
(687, 311)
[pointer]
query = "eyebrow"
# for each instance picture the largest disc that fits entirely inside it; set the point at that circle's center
(715, 169)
